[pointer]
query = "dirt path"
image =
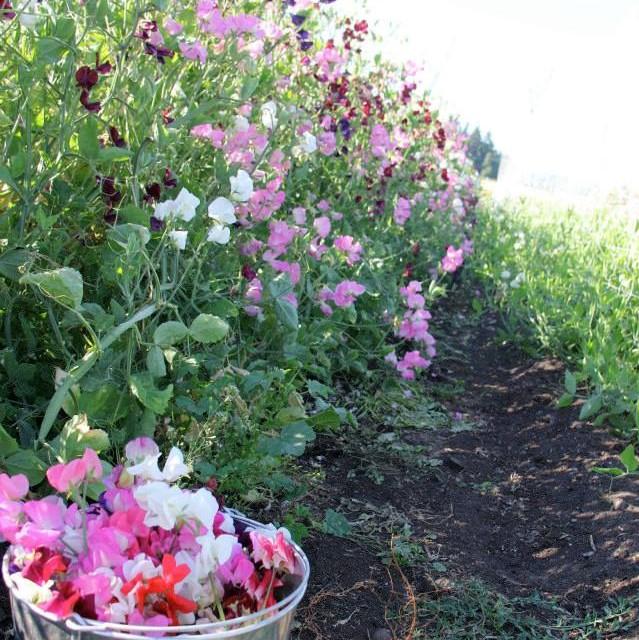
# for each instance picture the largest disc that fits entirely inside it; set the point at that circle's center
(513, 502)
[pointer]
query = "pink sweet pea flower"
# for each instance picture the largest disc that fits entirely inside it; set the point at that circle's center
(327, 143)
(402, 211)
(322, 226)
(172, 27)
(453, 259)
(347, 245)
(13, 487)
(140, 448)
(323, 205)
(413, 298)
(64, 477)
(346, 292)
(274, 551)
(299, 215)
(194, 51)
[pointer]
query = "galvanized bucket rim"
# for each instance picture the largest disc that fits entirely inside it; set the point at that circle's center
(255, 620)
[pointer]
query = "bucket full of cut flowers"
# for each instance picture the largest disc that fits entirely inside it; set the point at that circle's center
(145, 559)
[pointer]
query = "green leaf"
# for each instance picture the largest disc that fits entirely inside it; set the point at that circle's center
(609, 471)
(148, 394)
(570, 382)
(287, 314)
(223, 308)
(629, 459)
(8, 444)
(248, 87)
(63, 285)
(27, 462)
(317, 389)
(335, 524)
(134, 215)
(207, 328)
(88, 139)
(76, 436)
(295, 437)
(105, 404)
(169, 333)
(65, 29)
(566, 400)
(155, 363)
(49, 50)
(591, 407)
(329, 418)
(114, 154)
(11, 261)
(121, 233)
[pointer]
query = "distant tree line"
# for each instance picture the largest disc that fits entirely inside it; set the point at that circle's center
(484, 155)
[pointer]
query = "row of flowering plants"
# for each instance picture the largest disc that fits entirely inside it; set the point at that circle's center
(209, 212)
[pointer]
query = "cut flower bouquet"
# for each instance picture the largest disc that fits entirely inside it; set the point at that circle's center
(146, 552)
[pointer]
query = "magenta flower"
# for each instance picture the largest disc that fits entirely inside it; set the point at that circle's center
(411, 293)
(172, 27)
(352, 249)
(273, 551)
(402, 211)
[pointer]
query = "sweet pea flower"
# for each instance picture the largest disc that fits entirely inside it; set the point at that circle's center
(13, 487)
(164, 504)
(172, 27)
(194, 51)
(222, 212)
(453, 259)
(241, 186)
(327, 143)
(140, 448)
(179, 238)
(309, 142)
(269, 115)
(241, 124)
(322, 226)
(346, 292)
(66, 477)
(413, 298)
(299, 215)
(402, 211)
(347, 245)
(273, 549)
(28, 14)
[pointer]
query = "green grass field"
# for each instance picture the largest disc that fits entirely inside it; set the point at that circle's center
(567, 284)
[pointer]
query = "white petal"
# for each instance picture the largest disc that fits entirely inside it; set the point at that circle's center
(164, 209)
(179, 238)
(174, 467)
(222, 210)
(219, 233)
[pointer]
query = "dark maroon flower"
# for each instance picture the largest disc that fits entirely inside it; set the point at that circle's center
(102, 68)
(86, 77)
(116, 138)
(153, 192)
(110, 217)
(156, 224)
(247, 272)
(298, 19)
(444, 175)
(159, 53)
(94, 107)
(345, 128)
(169, 179)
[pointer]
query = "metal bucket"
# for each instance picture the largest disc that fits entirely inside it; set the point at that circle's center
(272, 623)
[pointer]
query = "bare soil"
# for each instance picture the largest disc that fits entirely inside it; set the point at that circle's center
(515, 502)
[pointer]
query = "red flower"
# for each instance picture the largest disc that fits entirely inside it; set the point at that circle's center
(44, 565)
(64, 600)
(166, 602)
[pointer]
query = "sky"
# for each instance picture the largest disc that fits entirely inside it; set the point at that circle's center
(554, 81)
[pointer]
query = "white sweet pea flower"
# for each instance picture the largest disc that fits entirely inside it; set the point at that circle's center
(164, 504)
(269, 115)
(179, 238)
(164, 209)
(309, 142)
(241, 186)
(185, 204)
(214, 552)
(219, 233)
(222, 210)
(174, 467)
(28, 14)
(202, 506)
(240, 124)
(140, 564)
(147, 468)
